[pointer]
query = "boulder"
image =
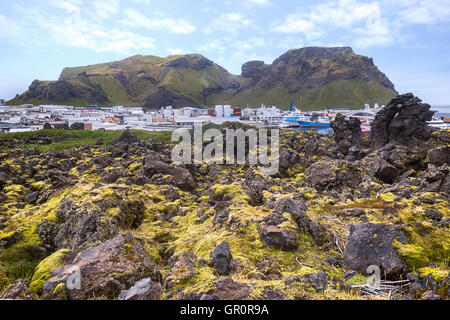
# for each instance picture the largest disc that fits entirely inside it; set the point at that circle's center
(383, 170)
(78, 228)
(403, 121)
(433, 214)
(272, 294)
(222, 258)
(430, 295)
(182, 267)
(347, 134)
(77, 126)
(142, 290)
(371, 244)
(333, 174)
(277, 231)
(227, 289)
(17, 291)
(297, 209)
(318, 280)
(33, 197)
(282, 239)
(126, 137)
(254, 185)
(105, 270)
(439, 156)
(181, 176)
(268, 269)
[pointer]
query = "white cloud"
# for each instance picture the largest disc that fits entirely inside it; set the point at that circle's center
(70, 6)
(74, 23)
(175, 51)
(229, 22)
(10, 29)
(263, 3)
(424, 12)
(249, 44)
(146, 2)
(363, 22)
(216, 45)
(135, 19)
(106, 8)
(76, 28)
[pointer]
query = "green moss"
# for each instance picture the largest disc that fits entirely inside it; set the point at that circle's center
(229, 192)
(133, 167)
(414, 256)
(41, 274)
(436, 273)
(388, 197)
(357, 279)
(426, 245)
(295, 170)
(37, 186)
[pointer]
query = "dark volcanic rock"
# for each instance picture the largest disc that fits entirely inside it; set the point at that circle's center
(274, 234)
(439, 156)
(299, 68)
(77, 126)
(371, 244)
(106, 270)
(402, 121)
(276, 237)
(272, 294)
(222, 258)
(347, 134)
(181, 268)
(61, 91)
(297, 209)
(182, 177)
(254, 69)
(78, 229)
(126, 137)
(17, 291)
(384, 171)
(227, 289)
(318, 280)
(254, 185)
(325, 175)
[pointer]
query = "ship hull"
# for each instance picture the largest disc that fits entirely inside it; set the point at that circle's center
(309, 124)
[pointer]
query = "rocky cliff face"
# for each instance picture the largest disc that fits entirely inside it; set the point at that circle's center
(313, 67)
(329, 77)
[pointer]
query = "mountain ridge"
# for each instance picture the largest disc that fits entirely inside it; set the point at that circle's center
(328, 77)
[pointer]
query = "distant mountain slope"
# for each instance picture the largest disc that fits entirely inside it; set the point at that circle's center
(328, 77)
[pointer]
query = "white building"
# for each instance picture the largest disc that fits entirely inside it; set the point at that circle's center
(227, 111)
(189, 121)
(118, 109)
(219, 111)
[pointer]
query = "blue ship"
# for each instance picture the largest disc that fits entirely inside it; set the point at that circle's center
(310, 124)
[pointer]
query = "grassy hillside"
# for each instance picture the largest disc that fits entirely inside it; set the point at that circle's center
(340, 93)
(345, 93)
(331, 76)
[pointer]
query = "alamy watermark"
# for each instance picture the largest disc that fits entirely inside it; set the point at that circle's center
(256, 152)
(74, 280)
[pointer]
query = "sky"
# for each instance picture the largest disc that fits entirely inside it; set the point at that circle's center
(409, 40)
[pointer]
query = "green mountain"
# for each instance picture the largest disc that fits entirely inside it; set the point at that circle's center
(327, 76)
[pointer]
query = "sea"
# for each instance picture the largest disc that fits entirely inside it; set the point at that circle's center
(441, 111)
